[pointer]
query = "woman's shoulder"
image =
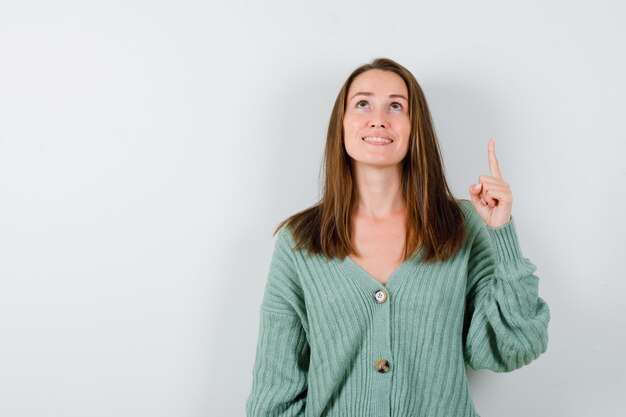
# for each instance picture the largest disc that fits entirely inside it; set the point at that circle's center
(466, 207)
(472, 219)
(284, 237)
(464, 204)
(288, 241)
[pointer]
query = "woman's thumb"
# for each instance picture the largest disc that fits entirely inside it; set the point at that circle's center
(475, 192)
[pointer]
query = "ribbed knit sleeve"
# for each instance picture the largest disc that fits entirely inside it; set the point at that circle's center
(279, 377)
(506, 322)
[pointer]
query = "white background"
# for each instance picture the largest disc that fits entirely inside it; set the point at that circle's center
(148, 149)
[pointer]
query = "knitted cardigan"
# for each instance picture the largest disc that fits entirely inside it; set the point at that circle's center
(333, 341)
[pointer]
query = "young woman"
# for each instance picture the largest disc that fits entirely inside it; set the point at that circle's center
(379, 295)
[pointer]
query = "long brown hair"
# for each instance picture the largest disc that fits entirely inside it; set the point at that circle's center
(434, 218)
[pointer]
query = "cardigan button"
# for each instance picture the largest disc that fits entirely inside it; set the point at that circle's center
(382, 365)
(380, 296)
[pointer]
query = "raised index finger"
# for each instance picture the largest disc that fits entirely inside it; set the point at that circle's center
(493, 161)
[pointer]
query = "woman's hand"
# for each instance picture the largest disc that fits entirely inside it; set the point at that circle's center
(492, 196)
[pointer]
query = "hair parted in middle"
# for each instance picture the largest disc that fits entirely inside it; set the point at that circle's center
(434, 219)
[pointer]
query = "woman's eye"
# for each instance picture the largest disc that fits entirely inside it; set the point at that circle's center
(395, 106)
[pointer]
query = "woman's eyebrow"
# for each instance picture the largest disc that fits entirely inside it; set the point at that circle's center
(367, 93)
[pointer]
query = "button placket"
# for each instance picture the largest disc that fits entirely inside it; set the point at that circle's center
(382, 359)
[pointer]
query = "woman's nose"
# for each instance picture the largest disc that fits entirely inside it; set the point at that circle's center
(378, 122)
(378, 119)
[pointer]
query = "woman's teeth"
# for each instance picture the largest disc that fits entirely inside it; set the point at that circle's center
(377, 140)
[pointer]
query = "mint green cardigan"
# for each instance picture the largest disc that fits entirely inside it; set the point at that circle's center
(333, 341)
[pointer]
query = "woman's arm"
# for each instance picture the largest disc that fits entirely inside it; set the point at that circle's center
(506, 322)
(279, 381)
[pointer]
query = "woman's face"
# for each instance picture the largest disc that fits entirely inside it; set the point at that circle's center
(377, 107)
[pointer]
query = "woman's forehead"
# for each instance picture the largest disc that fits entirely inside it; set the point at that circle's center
(378, 82)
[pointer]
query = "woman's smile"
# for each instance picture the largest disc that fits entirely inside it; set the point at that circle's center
(376, 141)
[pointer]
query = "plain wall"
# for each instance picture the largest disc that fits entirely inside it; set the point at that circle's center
(148, 149)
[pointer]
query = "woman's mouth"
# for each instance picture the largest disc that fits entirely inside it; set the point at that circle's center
(377, 141)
